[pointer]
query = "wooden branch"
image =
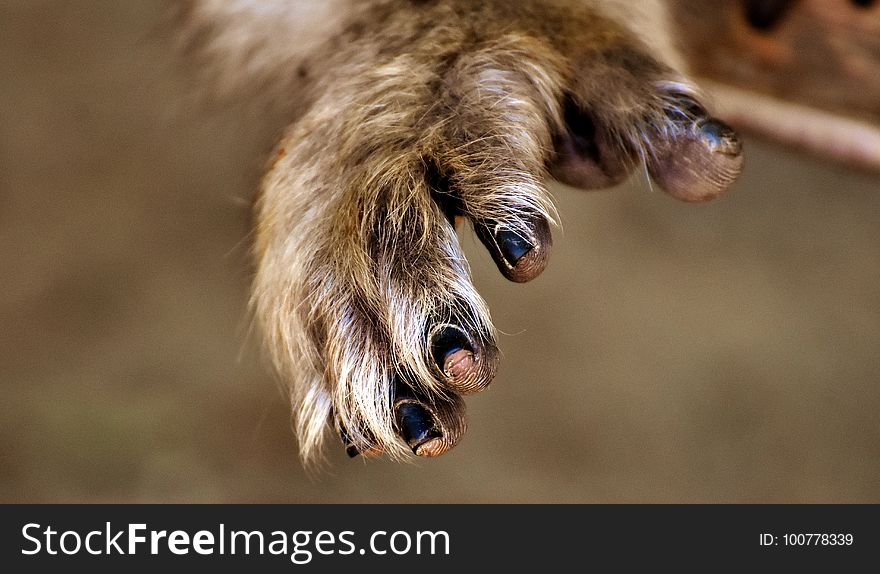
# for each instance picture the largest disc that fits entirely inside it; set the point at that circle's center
(803, 72)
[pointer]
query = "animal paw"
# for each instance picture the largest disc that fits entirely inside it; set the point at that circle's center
(424, 116)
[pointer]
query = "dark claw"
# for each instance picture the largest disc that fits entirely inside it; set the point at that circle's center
(371, 452)
(519, 258)
(417, 425)
(452, 351)
(513, 247)
(430, 427)
(698, 164)
(720, 136)
(353, 451)
(466, 365)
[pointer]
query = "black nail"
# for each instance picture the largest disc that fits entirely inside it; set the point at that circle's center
(416, 424)
(721, 136)
(350, 449)
(512, 245)
(521, 254)
(447, 341)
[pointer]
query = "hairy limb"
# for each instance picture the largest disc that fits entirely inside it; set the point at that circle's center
(418, 114)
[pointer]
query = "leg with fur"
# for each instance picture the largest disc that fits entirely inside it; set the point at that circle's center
(418, 113)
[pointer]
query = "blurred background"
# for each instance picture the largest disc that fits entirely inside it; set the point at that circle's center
(727, 352)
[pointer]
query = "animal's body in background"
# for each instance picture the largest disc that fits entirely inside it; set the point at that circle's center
(407, 116)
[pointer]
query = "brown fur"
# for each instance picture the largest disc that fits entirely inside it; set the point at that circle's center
(406, 115)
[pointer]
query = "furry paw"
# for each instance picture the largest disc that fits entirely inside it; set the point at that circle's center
(421, 116)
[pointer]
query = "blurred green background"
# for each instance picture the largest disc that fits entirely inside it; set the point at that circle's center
(727, 352)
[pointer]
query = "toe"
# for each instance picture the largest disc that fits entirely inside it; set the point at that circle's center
(429, 426)
(521, 255)
(467, 364)
(699, 163)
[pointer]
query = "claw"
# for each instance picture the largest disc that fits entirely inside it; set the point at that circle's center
(429, 427)
(466, 365)
(519, 258)
(453, 352)
(700, 164)
(417, 427)
(352, 451)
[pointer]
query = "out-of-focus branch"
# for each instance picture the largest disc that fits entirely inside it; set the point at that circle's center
(806, 74)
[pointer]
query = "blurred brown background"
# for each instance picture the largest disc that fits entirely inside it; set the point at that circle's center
(727, 352)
